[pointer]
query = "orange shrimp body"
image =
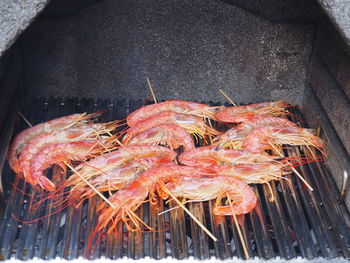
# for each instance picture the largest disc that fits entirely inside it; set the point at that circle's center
(72, 134)
(192, 124)
(266, 138)
(107, 162)
(178, 106)
(127, 200)
(58, 154)
(233, 138)
(254, 173)
(116, 179)
(212, 155)
(167, 134)
(247, 112)
(26, 135)
(207, 188)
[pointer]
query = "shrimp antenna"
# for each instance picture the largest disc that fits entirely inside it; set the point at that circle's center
(228, 98)
(293, 169)
(151, 89)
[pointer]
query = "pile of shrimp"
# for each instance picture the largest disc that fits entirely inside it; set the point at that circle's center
(168, 150)
(59, 141)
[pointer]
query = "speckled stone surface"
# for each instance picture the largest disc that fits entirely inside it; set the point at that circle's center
(339, 12)
(15, 16)
(188, 49)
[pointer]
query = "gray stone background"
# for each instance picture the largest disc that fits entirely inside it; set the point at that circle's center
(15, 16)
(188, 49)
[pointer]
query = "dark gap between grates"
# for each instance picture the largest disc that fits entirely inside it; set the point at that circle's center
(299, 223)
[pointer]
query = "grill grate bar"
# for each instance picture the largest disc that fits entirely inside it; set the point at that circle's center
(158, 236)
(296, 216)
(276, 214)
(66, 233)
(316, 217)
(114, 246)
(220, 231)
(94, 251)
(340, 205)
(50, 231)
(243, 223)
(73, 216)
(329, 202)
(259, 225)
(298, 223)
(29, 231)
(135, 244)
(9, 226)
(327, 198)
(16, 202)
(236, 241)
(179, 246)
(72, 231)
(200, 243)
(47, 247)
(298, 220)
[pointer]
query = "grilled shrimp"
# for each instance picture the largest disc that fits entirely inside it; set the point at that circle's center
(247, 112)
(207, 188)
(266, 138)
(233, 138)
(58, 154)
(72, 134)
(254, 173)
(178, 106)
(115, 179)
(127, 200)
(167, 134)
(53, 125)
(190, 123)
(109, 161)
(212, 155)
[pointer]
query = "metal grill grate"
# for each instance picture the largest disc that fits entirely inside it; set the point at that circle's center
(298, 223)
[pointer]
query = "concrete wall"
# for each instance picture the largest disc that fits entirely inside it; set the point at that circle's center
(189, 50)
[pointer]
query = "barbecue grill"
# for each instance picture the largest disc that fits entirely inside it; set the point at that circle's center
(84, 56)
